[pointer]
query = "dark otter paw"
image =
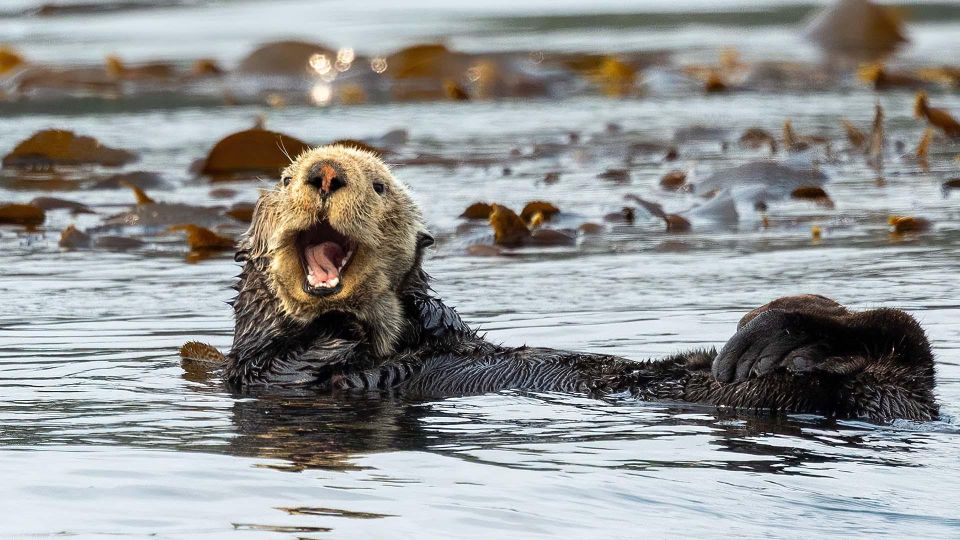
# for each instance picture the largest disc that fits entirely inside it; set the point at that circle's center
(811, 333)
(777, 340)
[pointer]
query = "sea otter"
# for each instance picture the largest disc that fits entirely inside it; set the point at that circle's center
(333, 294)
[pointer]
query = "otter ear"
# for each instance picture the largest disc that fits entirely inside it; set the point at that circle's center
(424, 240)
(256, 243)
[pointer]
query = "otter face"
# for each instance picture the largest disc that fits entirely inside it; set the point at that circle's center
(341, 235)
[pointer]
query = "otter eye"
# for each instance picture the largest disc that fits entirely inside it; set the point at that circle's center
(380, 188)
(285, 181)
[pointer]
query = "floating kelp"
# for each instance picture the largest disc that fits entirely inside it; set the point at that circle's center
(21, 214)
(433, 71)
(625, 215)
(907, 224)
(426, 71)
(477, 210)
(251, 152)
(756, 138)
(242, 212)
(424, 61)
(140, 179)
(138, 194)
(287, 58)
(76, 179)
(201, 238)
(944, 75)
(590, 228)
(674, 222)
(9, 60)
(715, 83)
(45, 82)
(40, 181)
(857, 30)
(677, 223)
(814, 194)
(922, 152)
(550, 237)
(55, 147)
(877, 144)
(455, 91)
(53, 203)
(296, 72)
(508, 229)
(882, 78)
(292, 72)
(774, 76)
(674, 180)
(857, 138)
(939, 118)
(619, 176)
(117, 69)
(718, 78)
(544, 209)
(206, 67)
(74, 238)
(614, 76)
(117, 243)
(798, 143)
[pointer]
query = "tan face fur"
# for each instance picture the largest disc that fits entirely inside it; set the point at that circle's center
(383, 227)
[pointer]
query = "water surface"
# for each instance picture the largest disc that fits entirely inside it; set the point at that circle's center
(101, 434)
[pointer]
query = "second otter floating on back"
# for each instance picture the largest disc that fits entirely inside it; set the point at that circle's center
(333, 294)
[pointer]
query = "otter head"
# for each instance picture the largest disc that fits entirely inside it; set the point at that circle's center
(339, 235)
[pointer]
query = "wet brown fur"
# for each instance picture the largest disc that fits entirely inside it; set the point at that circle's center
(385, 228)
(386, 331)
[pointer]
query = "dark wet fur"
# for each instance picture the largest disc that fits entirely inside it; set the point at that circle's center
(803, 354)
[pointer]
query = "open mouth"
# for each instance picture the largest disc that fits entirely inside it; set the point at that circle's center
(325, 254)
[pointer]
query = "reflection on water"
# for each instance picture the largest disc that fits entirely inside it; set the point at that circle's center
(495, 430)
(102, 434)
(541, 464)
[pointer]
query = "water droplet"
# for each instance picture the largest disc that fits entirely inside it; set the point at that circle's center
(321, 94)
(320, 63)
(378, 64)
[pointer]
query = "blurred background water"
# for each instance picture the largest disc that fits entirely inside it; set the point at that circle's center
(101, 433)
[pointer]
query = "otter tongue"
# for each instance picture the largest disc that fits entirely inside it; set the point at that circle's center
(323, 263)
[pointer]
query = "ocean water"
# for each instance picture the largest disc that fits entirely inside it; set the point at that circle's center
(102, 434)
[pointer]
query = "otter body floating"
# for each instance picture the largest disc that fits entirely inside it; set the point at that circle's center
(333, 295)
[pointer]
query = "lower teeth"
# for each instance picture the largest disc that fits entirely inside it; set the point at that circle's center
(345, 261)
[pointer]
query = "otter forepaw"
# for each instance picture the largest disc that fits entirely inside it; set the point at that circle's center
(779, 340)
(804, 334)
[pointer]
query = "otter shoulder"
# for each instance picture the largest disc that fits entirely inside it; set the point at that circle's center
(436, 319)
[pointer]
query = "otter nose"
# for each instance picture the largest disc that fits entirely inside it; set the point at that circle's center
(327, 180)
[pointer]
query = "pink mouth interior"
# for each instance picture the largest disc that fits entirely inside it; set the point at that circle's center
(323, 263)
(325, 253)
